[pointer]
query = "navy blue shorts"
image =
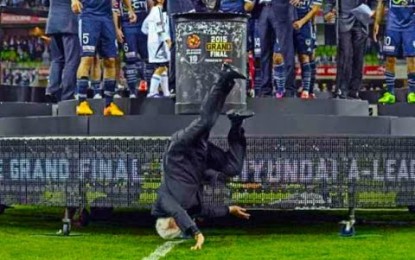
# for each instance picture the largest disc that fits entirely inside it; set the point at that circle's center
(97, 31)
(135, 44)
(305, 39)
(395, 40)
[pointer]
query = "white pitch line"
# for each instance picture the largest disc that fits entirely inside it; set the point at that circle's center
(162, 250)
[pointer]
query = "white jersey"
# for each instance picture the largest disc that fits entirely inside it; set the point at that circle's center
(156, 26)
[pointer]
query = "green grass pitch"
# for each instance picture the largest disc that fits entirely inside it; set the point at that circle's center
(30, 233)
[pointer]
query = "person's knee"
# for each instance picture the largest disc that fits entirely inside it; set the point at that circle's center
(390, 63)
(304, 58)
(411, 64)
(277, 59)
(160, 70)
(109, 68)
(84, 66)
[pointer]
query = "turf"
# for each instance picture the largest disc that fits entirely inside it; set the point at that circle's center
(29, 233)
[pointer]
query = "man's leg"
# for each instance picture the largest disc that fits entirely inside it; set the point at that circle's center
(359, 38)
(56, 65)
(284, 31)
(211, 108)
(267, 37)
(72, 57)
(344, 62)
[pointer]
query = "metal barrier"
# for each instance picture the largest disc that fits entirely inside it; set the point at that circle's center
(279, 173)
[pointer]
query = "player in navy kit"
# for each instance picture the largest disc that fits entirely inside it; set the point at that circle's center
(243, 7)
(96, 27)
(134, 43)
(304, 43)
(399, 35)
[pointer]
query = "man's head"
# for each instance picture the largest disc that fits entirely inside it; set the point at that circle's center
(167, 228)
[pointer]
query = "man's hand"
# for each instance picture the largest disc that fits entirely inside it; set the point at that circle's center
(200, 239)
(132, 17)
(76, 6)
(120, 35)
(295, 2)
(298, 24)
(375, 31)
(238, 212)
(330, 16)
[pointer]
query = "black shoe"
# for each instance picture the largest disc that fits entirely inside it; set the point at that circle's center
(353, 95)
(232, 71)
(339, 94)
(51, 99)
(239, 115)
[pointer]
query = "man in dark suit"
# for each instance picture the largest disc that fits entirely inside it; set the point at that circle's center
(352, 37)
(62, 28)
(191, 159)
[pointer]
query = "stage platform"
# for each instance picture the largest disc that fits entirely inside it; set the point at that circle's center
(397, 109)
(23, 109)
(165, 125)
(269, 106)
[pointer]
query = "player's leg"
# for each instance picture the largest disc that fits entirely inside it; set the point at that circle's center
(96, 75)
(130, 59)
(303, 40)
(109, 53)
(278, 72)
(409, 53)
(313, 69)
(392, 41)
(142, 61)
(155, 81)
(164, 81)
(89, 34)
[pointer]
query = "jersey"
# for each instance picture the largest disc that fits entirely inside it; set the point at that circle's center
(401, 15)
(305, 7)
(232, 6)
(156, 26)
(97, 7)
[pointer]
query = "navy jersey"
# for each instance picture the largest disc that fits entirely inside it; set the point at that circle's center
(305, 7)
(232, 6)
(97, 7)
(401, 15)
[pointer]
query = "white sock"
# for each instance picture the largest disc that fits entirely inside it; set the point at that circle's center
(165, 84)
(154, 85)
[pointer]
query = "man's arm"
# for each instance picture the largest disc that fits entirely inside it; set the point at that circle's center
(380, 10)
(310, 15)
(330, 10)
(116, 19)
(131, 14)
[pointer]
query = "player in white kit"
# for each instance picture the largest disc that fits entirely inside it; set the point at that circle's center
(156, 26)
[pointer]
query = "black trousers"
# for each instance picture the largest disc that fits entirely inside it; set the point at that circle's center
(350, 57)
(195, 136)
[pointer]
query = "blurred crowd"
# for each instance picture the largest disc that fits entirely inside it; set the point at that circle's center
(37, 4)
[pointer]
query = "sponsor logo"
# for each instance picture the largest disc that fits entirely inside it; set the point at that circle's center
(193, 41)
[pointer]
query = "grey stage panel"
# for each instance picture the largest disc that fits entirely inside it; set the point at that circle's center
(44, 126)
(402, 109)
(403, 126)
(21, 109)
(259, 125)
(289, 106)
